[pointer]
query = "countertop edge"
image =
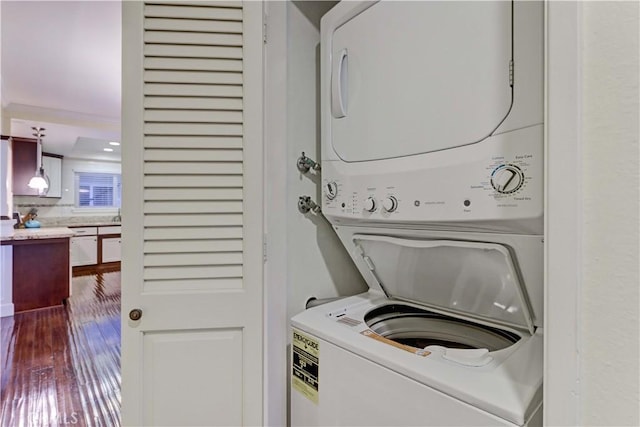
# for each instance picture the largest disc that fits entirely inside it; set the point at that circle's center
(37, 234)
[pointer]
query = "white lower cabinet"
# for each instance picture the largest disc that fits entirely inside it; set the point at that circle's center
(95, 245)
(111, 249)
(84, 250)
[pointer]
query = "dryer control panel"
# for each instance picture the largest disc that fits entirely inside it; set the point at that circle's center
(495, 183)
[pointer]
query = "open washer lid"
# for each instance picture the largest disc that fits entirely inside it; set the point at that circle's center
(471, 278)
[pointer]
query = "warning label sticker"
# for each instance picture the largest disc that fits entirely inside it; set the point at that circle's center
(304, 373)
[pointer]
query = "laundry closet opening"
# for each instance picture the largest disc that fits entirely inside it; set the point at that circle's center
(432, 178)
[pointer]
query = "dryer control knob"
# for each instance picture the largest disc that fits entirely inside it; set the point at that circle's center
(390, 204)
(369, 204)
(507, 179)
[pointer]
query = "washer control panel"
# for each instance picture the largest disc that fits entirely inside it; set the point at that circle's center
(501, 181)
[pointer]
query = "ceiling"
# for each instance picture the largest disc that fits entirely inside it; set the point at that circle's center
(61, 70)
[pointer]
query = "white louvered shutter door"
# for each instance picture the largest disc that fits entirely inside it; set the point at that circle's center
(192, 213)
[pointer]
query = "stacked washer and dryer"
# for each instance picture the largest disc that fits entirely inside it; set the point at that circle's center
(432, 174)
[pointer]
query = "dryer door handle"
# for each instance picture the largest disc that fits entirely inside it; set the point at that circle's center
(339, 84)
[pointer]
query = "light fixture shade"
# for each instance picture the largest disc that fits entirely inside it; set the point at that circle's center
(38, 181)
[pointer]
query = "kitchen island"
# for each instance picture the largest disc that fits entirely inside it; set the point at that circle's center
(41, 268)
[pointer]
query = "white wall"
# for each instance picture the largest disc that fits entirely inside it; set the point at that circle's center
(304, 257)
(609, 327)
(5, 181)
(6, 252)
(65, 206)
(318, 264)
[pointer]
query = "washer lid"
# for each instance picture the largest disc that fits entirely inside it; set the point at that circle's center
(471, 278)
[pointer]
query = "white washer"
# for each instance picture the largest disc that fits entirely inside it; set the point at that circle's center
(432, 169)
(445, 336)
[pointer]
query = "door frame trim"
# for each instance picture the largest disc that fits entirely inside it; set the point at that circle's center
(276, 322)
(563, 212)
(253, 198)
(132, 208)
(132, 270)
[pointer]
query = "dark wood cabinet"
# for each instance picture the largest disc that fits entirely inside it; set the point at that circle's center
(25, 163)
(40, 273)
(24, 153)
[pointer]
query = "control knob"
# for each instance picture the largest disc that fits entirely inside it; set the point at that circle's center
(331, 190)
(369, 204)
(390, 204)
(507, 179)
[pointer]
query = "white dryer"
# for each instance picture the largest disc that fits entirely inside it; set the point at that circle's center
(432, 171)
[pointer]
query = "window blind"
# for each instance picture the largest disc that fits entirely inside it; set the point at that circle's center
(98, 189)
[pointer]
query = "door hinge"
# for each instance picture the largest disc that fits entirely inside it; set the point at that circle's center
(511, 73)
(264, 32)
(264, 248)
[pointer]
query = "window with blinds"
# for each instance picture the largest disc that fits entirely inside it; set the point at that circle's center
(193, 139)
(99, 190)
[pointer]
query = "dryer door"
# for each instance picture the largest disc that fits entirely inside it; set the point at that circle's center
(416, 77)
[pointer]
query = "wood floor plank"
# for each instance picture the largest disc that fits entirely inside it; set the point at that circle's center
(61, 366)
(42, 408)
(6, 330)
(42, 353)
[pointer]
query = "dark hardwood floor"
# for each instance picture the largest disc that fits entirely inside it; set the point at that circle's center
(61, 365)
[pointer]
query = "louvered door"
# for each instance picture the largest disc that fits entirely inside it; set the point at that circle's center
(192, 213)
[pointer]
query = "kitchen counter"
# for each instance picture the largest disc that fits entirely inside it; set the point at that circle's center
(35, 234)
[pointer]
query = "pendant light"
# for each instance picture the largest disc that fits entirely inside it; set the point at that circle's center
(40, 181)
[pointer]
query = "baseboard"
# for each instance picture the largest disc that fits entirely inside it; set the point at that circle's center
(6, 310)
